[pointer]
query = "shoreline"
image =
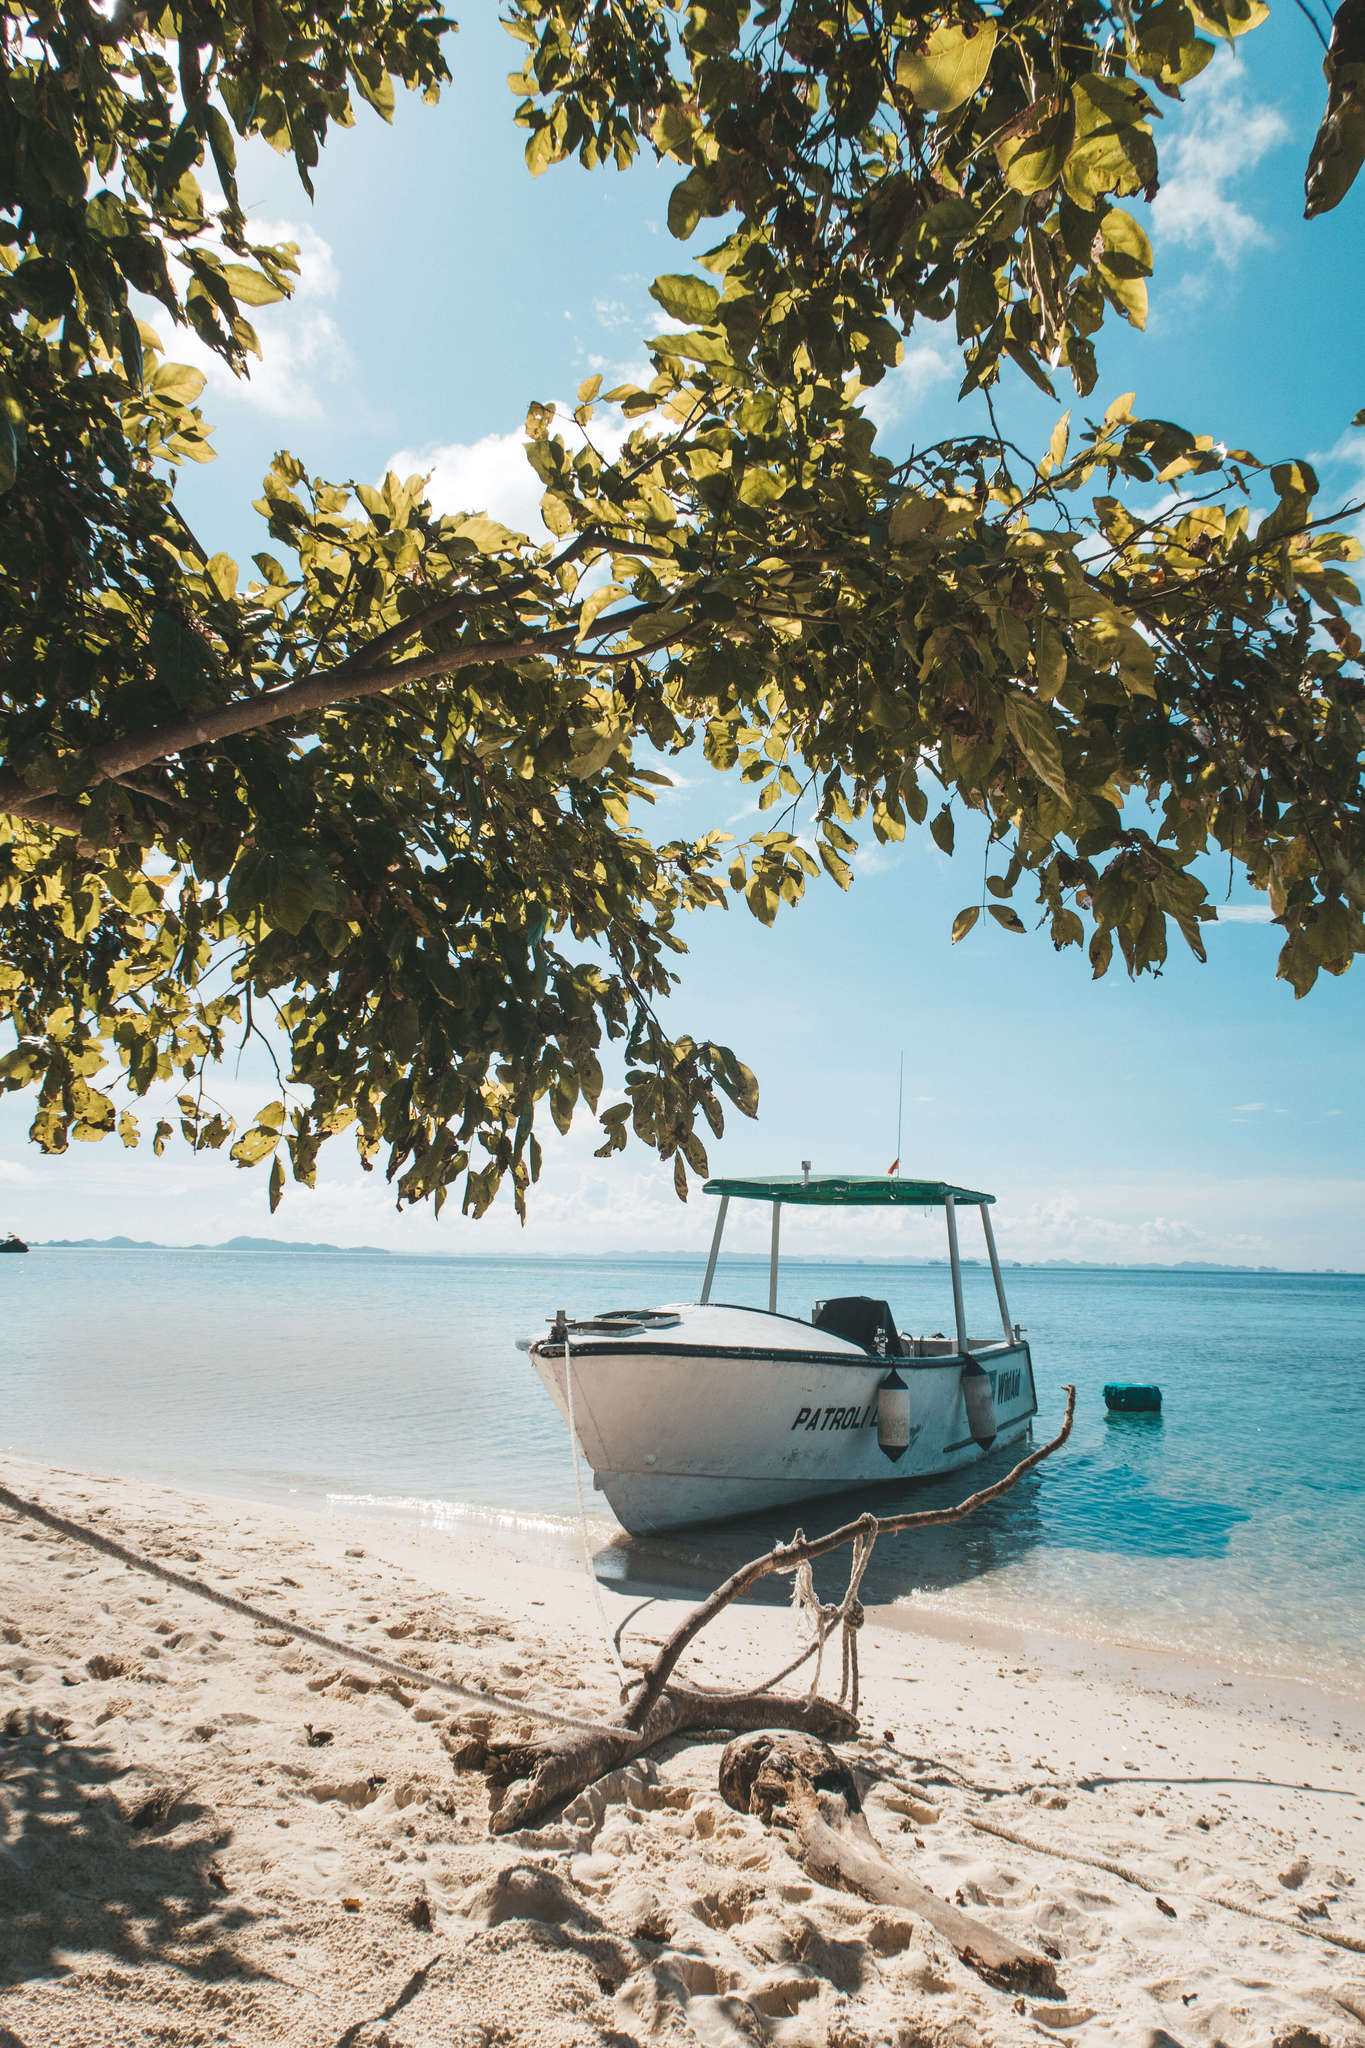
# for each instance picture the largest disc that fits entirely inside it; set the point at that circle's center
(320, 1869)
(551, 1541)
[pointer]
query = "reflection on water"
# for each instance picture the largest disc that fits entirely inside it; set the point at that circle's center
(1235, 1519)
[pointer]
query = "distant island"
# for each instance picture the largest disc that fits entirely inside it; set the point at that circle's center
(231, 1244)
(379, 1251)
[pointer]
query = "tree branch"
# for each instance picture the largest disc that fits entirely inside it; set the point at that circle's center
(808, 1548)
(347, 681)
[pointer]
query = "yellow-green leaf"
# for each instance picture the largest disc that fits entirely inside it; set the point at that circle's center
(964, 921)
(685, 298)
(1034, 734)
(250, 287)
(176, 383)
(1033, 161)
(949, 68)
(597, 601)
(222, 574)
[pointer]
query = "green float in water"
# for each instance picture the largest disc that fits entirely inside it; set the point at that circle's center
(1133, 1400)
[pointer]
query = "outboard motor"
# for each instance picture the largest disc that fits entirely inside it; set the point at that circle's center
(893, 1416)
(978, 1391)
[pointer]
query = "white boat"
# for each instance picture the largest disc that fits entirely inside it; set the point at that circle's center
(700, 1411)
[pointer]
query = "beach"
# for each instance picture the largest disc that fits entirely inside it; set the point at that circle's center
(212, 1833)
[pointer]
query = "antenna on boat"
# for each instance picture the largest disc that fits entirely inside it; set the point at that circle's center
(895, 1166)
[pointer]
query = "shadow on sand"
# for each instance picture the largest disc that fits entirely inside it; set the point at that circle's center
(78, 1875)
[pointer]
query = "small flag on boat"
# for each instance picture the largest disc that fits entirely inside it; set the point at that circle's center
(894, 1167)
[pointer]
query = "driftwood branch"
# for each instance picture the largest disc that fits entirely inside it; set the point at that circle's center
(807, 1795)
(785, 1556)
(527, 1777)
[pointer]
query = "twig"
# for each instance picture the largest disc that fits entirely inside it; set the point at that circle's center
(784, 1556)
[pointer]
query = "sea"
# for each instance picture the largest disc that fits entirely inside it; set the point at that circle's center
(1229, 1528)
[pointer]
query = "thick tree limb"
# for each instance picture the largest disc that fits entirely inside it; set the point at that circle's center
(343, 683)
(527, 1777)
(786, 1555)
(807, 1794)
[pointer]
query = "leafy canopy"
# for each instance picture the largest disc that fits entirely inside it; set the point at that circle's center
(383, 792)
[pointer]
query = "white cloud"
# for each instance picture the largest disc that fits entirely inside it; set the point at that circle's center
(302, 350)
(489, 475)
(612, 313)
(1244, 913)
(1221, 137)
(920, 370)
(493, 475)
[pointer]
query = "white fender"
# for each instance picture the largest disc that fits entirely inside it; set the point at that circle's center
(893, 1416)
(978, 1391)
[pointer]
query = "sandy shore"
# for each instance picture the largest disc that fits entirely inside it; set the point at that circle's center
(209, 1834)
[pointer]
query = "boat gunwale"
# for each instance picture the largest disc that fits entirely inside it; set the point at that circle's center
(600, 1348)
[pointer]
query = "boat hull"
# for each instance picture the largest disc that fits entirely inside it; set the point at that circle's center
(679, 1434)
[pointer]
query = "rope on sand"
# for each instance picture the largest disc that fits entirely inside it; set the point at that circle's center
(349, 1653)
(1354, 1942)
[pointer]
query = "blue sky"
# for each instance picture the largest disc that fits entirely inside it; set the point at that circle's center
(1202, 1115)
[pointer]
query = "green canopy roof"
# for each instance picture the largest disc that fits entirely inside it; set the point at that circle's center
(847, 1190)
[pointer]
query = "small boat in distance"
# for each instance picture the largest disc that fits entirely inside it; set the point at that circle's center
(696, 1412)
(11, 1243)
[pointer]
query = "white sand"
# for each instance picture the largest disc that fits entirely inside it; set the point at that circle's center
(345, 1894)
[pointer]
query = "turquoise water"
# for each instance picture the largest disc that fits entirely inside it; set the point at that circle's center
(1231, 1526)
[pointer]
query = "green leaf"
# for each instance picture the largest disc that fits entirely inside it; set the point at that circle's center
(760, 487)
(489, 536)
(540, 151)
(176, 383)
(1114, 152)
(948, 68)
(1033, 161)
(596, 602)
(250, 286)
(1229, 18)
(1009, 920)
(684, 297)
(297, 884)
(964, 921)
(276, 1182)
(687, 202)
(1034, 734)
(254, 1145)
(9, 454)
(221, 571)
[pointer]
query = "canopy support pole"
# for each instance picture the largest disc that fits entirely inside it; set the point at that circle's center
(715, 1250)
(959, 1310)
(995, 1273)
(772, 1263)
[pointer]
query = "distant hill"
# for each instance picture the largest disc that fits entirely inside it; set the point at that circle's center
(231, 1244)
(755, 1259)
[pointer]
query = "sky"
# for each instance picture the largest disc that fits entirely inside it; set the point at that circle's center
(1202, 1115)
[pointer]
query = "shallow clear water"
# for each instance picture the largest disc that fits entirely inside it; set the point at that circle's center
(1233, 1525)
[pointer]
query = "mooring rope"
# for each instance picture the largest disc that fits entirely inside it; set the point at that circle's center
(824, 1619)
(350, 1653)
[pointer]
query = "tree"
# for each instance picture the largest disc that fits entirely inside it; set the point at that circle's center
(383, 791)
